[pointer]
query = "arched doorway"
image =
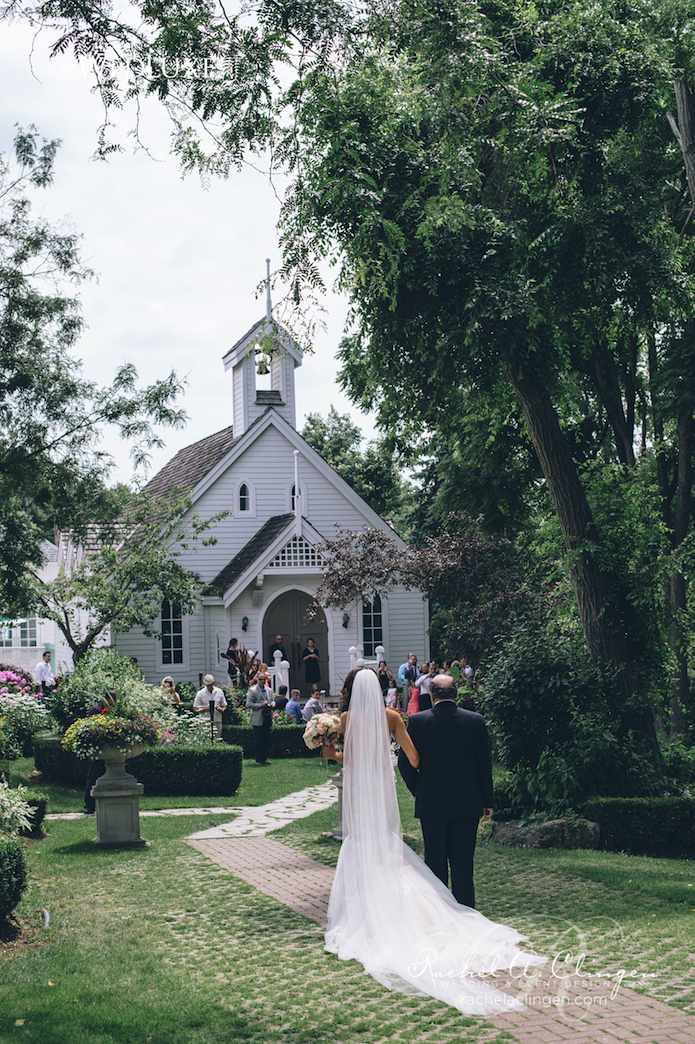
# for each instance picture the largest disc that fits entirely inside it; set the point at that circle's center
(289, 616)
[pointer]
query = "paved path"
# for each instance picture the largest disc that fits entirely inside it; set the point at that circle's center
(251, 820)
(559, 1011)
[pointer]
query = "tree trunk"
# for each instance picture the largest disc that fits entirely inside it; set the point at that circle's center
(676, 497)
(680, 688)
(602, 627)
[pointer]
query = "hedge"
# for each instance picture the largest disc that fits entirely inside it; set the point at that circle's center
(214, 770)
(286, 741)
(645, 826)
(13, 874)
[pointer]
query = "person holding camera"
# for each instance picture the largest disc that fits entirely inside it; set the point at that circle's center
(261, 707)
(211, 693)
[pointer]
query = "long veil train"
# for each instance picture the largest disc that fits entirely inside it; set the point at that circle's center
(387, 910)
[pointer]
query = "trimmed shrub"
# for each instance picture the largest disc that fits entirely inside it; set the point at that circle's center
(214, 770)
(285, 741)
(162, 770)
(653, 826)
(13, 874)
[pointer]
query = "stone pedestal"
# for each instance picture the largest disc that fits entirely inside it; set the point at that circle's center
(117, 798)
(337, 781)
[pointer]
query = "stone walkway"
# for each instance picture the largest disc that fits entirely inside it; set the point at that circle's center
(251, 820)
(559, 1010)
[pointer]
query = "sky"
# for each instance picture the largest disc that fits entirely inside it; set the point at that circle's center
(177, 266)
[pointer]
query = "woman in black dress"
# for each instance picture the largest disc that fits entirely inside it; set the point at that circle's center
(310, 656)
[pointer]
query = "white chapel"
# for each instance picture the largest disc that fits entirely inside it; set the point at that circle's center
(284, 500)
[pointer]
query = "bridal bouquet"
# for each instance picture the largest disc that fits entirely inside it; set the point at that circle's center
(323, 729)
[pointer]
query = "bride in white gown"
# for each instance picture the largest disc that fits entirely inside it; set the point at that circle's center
(387, 910)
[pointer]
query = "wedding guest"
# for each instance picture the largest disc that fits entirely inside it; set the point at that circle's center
(392, 695)
(423, 686)
(277, 644)
(281, 700)
(294, 708)
(168, 690)
(261, 715)
(412, 673)
(382, 673)
(466, 669)
(43, 673)
(233, 658)
(201, 703)
(312, 707)
(310, 658)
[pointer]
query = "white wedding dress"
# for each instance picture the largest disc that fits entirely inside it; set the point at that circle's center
(387, 910)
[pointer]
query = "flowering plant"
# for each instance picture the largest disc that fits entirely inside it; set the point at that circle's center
(15, 810)
(11, 682)
(323, 729)
(87, 736)
(22, 715)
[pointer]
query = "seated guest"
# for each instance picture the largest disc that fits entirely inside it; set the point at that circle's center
(312, 707)
(281, 700)
(293, 707)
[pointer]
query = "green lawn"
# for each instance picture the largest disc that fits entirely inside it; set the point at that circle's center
(160, 946)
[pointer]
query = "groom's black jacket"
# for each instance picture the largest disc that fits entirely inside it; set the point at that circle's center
(454, 779)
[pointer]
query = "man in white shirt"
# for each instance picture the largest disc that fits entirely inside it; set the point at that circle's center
(45, 679)
(211, 692)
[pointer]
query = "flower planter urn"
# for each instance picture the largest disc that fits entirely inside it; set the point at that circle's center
(117, 798)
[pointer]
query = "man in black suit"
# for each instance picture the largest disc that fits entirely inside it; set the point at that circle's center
(452, 787)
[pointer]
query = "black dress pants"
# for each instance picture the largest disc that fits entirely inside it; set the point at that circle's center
(450, 843)
(261, 740)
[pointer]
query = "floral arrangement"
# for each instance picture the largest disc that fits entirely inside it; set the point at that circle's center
(87, 736)
(322, 730)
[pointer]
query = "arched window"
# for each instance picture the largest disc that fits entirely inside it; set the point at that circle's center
(292, 496)
(372, 627)
(244, 498)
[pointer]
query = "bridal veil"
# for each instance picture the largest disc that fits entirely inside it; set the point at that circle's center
(387, 910)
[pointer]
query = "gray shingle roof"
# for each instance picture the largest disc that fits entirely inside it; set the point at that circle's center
(268, 398)
(251, 551)
(191, 464)
(49, 551)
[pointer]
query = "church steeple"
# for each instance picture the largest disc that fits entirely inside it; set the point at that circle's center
(266, 340)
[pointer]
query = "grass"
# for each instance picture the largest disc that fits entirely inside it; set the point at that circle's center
(258, 786)
(160, 946)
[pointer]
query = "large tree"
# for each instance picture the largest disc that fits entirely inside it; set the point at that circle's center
(505, 198)
(52, 470)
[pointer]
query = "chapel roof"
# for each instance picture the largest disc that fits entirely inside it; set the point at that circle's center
(252, 550)
(49, 551)
(191, 464)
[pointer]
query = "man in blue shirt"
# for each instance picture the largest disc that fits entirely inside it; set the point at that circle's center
(293, 707)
